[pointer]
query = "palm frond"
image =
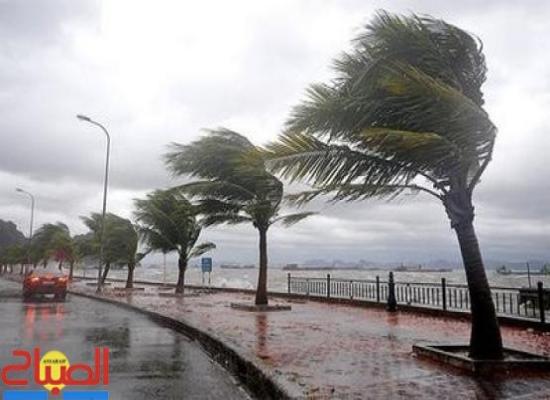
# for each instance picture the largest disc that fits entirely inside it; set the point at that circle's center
(167, 221)
(298, 156)
(234, 185)
(225, 218)
(217, 189)
(406, 103)
(355, 192)
(291, 219)
(201, 248)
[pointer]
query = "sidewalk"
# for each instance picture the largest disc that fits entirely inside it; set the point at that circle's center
(324, 351)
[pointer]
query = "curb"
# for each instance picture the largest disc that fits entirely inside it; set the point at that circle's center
(253, 377)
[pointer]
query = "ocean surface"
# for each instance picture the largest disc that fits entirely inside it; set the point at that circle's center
(277, 278)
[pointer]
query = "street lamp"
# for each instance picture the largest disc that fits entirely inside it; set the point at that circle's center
(106, 180)
(31, 223)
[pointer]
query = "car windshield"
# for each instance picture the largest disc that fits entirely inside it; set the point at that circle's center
(51, 269)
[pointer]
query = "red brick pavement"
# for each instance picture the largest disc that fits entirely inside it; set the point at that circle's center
(321, 350)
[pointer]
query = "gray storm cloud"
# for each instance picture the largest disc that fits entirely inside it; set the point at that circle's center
(157, 72)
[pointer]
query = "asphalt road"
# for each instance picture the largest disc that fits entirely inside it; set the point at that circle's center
(147, 361)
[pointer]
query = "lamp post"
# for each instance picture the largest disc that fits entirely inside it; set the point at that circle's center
(31, 222)
(105, 183)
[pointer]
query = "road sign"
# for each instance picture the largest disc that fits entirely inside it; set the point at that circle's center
(206, 264)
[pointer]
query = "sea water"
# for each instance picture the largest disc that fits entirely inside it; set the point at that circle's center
(277, 278)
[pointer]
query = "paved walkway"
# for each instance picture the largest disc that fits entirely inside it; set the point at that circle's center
(322, 351)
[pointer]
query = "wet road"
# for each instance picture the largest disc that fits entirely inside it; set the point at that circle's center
(147, 361)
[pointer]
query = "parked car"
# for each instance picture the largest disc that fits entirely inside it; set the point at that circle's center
(44, 281)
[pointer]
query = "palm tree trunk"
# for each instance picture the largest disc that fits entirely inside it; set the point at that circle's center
(182, 266)
(485, 338)
(261, 290)
(105, 272)
(21, 270)
(71, 270)
(60, 266)
(130, 279)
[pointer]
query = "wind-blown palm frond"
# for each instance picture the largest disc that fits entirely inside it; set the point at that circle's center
(168, 222)
(291, 219)
(235, 186)
(298, 156)
(120, 241)
(208, 206)
(52, 240)
(354, 192)
(225, 218)
(218, 189)
(404, 110)
(215, 156)
(155, 240)
(201, 248)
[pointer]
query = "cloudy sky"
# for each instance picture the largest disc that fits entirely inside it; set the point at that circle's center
(158, 71)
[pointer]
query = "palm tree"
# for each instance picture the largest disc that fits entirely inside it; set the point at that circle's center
(51, 240)
(13, 255)
(234, 187)
(118, 241)
(84, 246)
(62, 248)
(168, 222)
(405, 113)
(121, 246)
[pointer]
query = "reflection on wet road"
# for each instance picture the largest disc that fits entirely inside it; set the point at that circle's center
(147, 361)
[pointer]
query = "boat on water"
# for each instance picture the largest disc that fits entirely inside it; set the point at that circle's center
(237, 266)
(419, 268)
(504, 270)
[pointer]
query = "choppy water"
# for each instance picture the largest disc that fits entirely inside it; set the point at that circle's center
(277, 278)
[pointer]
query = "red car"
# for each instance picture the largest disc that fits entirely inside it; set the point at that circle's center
(42, 281)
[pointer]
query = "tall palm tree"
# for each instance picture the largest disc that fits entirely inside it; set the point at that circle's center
(122, 242)
(13, 255)
(168, 222)
(404, 113)
(51, 241)
(119, 241)
(234, 187)
(85, 246)
(62, 248)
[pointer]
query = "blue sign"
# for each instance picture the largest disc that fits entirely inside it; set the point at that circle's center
(206, 264)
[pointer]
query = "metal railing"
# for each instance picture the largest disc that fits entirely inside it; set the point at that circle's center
(513, 302)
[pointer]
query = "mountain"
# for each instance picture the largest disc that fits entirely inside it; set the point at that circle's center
(9, 234)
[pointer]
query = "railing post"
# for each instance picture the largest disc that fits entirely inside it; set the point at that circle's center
(444, 293)
(328, 286)
(307, 287)
(392, 303)
(288, 279)
(541, 302)
(377, 289)
(351, 290)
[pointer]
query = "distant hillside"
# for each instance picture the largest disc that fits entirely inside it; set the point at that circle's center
(9, 234)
